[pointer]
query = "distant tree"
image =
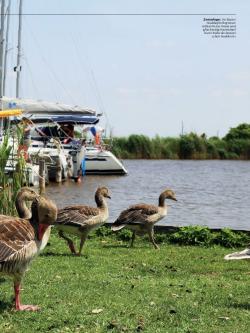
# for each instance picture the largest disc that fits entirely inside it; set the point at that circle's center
(238, 140)
(240, 132)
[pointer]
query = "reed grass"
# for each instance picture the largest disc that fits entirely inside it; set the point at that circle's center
(11, 182)
(235, 145)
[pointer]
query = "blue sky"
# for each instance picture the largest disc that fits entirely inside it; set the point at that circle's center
(149, 74)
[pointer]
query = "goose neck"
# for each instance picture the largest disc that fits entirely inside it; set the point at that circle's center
(162, 198)
(100, 201)
(22, 209)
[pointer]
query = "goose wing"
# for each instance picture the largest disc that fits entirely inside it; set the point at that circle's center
(16, 235)
(136, 214)
(76, 215)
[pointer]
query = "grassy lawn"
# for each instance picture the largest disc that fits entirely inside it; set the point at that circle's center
(112, 288)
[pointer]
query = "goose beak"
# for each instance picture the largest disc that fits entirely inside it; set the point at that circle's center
(174, 199)
(108, 196)
(41, 230)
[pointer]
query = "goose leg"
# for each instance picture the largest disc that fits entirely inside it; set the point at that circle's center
(151, 238)
(69, 241)
(83, 239)
(18, 305)
(132, 239)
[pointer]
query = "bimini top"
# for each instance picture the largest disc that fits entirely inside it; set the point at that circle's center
(41, 111)
(35, 107)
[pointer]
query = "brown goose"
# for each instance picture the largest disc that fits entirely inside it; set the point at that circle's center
(21, 240)
(141, 218)
(80, 220)
(245, 254)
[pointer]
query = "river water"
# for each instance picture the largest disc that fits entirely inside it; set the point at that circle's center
(211, 193)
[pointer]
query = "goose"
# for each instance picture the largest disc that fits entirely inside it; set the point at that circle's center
(245, 254)
(79, 220)
(21, 240)
(140, 218)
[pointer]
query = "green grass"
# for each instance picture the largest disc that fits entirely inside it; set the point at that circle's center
(176, 289)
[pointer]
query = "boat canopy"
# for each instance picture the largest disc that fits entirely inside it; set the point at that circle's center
(48, 112)
(35, 107)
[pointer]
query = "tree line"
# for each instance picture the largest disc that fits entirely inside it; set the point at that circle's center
(234, 145)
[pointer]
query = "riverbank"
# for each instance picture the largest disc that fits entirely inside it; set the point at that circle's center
(113, 288)
(235, 145)
(189, 235)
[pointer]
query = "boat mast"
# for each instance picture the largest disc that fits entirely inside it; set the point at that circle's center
(6, 48)
(1, 59)
(2, 47)
(18, 65)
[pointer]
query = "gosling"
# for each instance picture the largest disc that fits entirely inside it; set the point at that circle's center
(79, 220)
(141, 218)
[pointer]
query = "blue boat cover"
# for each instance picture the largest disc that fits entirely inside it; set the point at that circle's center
(62, 119)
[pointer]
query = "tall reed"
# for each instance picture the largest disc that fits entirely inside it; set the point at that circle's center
(13, 180)
(235, 145)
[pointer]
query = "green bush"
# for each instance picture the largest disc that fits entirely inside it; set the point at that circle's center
(192, 235)
(228, 238)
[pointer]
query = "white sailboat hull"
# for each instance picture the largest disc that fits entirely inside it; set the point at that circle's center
(102, 162)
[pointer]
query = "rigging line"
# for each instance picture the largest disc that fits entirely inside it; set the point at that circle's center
(93, 81)
(79, 58)
(54, 75)
(31, 75)
(99, 96)
(26, 25)
(87, 70)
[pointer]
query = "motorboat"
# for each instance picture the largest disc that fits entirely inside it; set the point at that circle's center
(101, 161)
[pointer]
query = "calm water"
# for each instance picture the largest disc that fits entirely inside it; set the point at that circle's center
(212, 193)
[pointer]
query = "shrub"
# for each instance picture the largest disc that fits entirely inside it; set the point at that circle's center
(192, 235)
(229, 238)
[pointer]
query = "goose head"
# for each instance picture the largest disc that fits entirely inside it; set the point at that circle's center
(44, 214)
(27, 194)
(103, 191)
(167, 194)
(23, 195)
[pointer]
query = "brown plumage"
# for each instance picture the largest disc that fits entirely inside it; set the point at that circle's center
(21, 240)
(79, 220)
(141, 218)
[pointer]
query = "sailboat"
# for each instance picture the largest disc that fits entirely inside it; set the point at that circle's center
(48, 138)
(94, 159)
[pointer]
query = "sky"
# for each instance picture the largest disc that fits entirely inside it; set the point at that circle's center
(149, 74)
